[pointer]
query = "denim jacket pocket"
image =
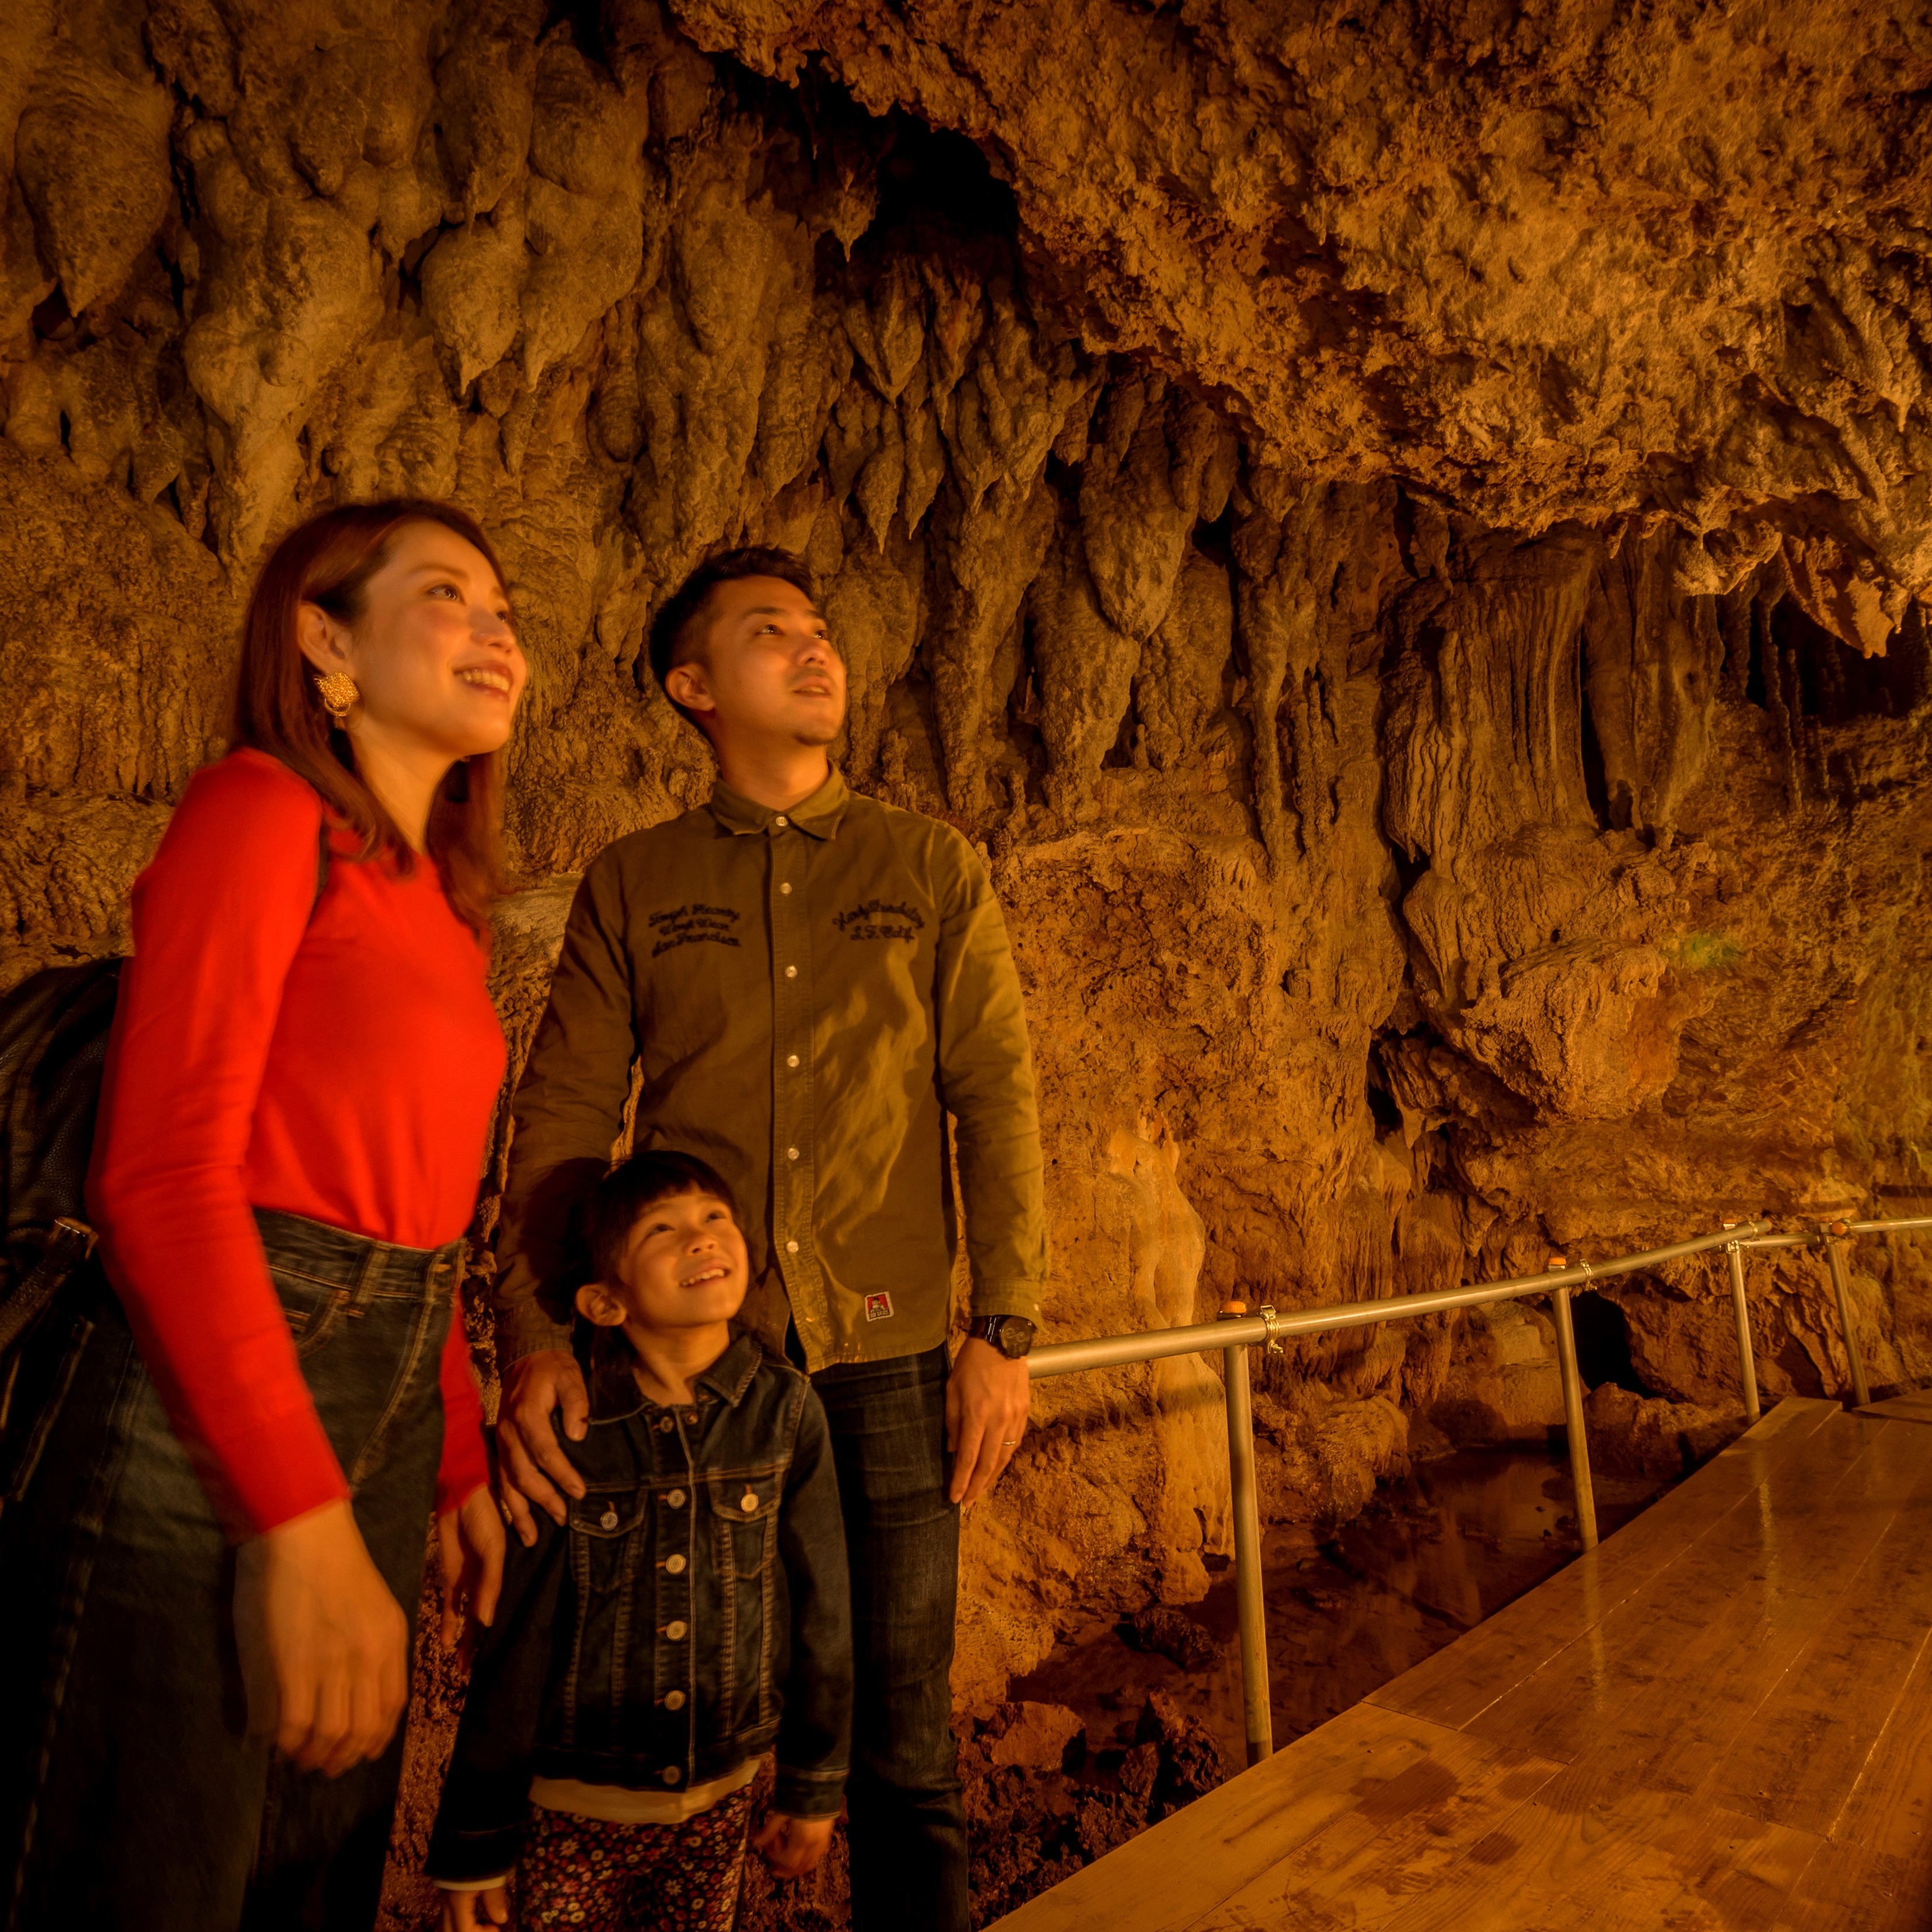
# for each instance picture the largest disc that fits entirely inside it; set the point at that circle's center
(745, 1511)
(605, 1526)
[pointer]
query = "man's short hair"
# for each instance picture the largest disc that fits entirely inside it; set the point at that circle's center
(630, 1190)
(674, 630)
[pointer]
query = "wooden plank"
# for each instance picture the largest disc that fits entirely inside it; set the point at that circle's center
(1812, 1737)
(1752, 1673)
(1916, 1407)
(1875, 1874)
(1580, 1857)
(1458, 1681)
(1673, 1673)
(1186, 1864)
(1394, 1843)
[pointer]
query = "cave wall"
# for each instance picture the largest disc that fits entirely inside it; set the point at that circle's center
(1403, 536)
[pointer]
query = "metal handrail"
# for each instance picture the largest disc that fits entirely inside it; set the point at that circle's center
(1237, 1331)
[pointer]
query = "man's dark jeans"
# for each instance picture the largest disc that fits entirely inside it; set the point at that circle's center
(907, 1821)
(130, 1794)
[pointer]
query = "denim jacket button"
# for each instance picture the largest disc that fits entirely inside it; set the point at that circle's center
(748, 1501)
(675, 1564)
(608, 1520)
(673, 1700)
(676, 1499)
(672, 1773)
(665, 1422)
(675, 1632)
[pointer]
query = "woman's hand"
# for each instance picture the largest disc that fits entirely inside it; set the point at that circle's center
(324, 1644)
(475, 1911)
(470, 1541)
(792, 1847)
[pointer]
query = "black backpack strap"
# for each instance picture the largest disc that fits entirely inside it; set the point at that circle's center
(67, 1246)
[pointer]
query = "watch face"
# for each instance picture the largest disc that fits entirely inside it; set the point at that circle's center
(1014, 1337)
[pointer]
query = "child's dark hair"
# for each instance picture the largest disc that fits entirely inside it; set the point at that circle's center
(630, 1187)
(674, 628)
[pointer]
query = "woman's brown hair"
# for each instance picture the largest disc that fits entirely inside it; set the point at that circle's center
(329, 561)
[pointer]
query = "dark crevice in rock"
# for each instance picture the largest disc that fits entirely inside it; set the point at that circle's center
(1603, 1343)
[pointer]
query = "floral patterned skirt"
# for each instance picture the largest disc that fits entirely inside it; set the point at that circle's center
(589, 1876)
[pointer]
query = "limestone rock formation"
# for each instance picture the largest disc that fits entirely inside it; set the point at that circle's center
(1405, 538)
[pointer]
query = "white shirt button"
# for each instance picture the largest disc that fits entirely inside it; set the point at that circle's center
(671, 1774)
(675, 1632)
(791, 1247)
(673, 1700)
(781, 820)
(791, 1060)
(675, 1564)
(791, 1154)
(791, 972)
(676, 1499)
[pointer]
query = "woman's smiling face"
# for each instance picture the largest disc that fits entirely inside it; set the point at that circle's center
(434, 652)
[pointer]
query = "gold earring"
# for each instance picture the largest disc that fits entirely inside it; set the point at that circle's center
(338, 694)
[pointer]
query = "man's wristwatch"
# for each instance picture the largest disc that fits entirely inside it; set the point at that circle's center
(1011, 1334)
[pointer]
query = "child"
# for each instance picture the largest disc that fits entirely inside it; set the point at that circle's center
(692, 1614)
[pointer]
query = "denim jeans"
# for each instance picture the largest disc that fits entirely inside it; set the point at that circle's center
(130, 1793)
(907, 1821)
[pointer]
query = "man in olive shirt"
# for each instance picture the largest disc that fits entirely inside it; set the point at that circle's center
(806, 982)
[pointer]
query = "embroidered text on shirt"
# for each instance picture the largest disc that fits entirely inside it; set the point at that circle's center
(879, 919)
(686, 924)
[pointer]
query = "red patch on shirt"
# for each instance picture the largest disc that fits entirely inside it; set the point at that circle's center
(878, 1307)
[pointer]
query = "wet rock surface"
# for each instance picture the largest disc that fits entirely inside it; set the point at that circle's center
(1031, 1830)
(1172, 1634)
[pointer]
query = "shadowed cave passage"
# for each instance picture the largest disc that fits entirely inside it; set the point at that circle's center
(1603, 1343)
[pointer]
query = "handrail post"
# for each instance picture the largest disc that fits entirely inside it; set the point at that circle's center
(1250, 1609)
(1841, 1287)
(1741, 1310)
(1573, 1415)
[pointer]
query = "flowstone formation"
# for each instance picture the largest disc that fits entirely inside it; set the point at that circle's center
(1405, 537)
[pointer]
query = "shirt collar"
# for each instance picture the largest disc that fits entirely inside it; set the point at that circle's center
(819, 815)
(614, 1392)
(730, 1375)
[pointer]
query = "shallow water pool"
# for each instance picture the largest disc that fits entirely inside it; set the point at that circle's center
(1429, 1558)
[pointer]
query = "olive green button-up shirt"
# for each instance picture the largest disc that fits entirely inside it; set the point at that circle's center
(805, 997)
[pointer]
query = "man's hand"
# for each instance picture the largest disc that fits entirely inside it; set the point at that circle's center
(324, 1645)
(469, 1539)
(531, 1462)
(987, 1398)
(792, 1847)
(475, 1911)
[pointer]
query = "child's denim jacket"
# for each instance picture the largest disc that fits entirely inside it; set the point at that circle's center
(694, 1613)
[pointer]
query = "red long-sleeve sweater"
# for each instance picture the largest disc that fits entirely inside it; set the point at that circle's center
(336, 1057)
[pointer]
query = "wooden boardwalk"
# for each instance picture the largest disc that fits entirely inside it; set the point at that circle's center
(1722, 1719)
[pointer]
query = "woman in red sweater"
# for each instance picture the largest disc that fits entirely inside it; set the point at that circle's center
(218, 1556)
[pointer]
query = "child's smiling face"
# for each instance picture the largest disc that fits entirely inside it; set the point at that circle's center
(684, 1266)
